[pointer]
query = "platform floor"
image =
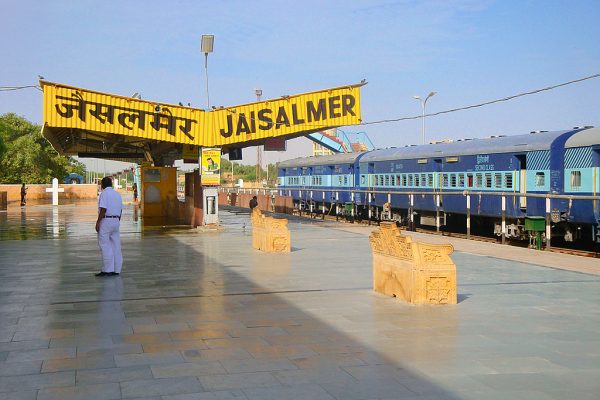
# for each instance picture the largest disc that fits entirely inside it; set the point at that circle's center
(204, 316)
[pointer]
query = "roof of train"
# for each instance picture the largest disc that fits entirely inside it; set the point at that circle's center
(589, 136)
(499, 144)
(342, 158)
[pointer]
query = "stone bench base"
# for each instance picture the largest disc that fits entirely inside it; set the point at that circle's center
(416, 272)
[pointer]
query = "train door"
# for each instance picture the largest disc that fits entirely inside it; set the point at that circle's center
(596, 187)
(522, 158)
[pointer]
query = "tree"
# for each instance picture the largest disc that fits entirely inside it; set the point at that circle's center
(2, 147)
(28, 157)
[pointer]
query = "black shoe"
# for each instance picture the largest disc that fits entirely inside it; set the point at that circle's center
(102, 273)
(113, 273)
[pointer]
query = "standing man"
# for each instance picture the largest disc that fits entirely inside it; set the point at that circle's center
(253, 203)
(110, 208)
(23, 194)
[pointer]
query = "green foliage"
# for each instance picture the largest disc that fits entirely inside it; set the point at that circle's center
(2, 147)
(246, 172)
(28, 157)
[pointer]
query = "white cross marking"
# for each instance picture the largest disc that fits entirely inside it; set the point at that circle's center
(54, 190)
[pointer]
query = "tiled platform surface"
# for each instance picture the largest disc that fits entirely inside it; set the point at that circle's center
(204, 316)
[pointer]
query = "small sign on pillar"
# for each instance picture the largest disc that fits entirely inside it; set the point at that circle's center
(55, 190)
(210, 179)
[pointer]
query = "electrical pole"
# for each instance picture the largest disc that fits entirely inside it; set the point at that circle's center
(258, 93)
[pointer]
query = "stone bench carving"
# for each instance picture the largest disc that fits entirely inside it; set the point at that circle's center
(270, 234)
(419, 273)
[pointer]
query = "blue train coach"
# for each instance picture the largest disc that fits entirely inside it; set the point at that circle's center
(320, 179)
(437, 175)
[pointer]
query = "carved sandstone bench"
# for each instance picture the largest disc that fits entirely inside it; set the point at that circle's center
(270, 234)
(419, 273)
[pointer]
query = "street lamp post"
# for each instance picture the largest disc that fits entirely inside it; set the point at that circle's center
(206, 46)
(258, 93)
(423, 103)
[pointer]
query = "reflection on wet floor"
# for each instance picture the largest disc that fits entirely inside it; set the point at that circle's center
(69, 219)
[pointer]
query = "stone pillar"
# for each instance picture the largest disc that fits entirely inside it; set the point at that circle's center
(198, 201)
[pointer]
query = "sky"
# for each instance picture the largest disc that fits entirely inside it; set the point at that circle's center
(466, 51)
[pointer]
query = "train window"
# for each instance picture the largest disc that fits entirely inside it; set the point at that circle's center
(423, 179)
(404, 183)
(488, 180)
(363, 180)
(410, 179)
(417, 180)
(478, 180)
(345, 181)
(445, 177)
(469, 180)
(339, 180)
(461, 180)
(540, 179)
(453, 180)
(498, 181)
(508, 180)
(575, 180)
(398, 180)
(387, 180)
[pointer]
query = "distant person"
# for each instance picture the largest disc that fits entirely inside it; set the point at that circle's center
(135, 193)
(23, 194)
(110, 208)
(253, 203)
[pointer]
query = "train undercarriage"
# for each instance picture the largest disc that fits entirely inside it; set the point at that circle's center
(563, 233)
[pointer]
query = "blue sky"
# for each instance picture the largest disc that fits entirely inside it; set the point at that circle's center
(467, 51)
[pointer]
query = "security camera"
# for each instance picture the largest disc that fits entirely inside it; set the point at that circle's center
(157, 108)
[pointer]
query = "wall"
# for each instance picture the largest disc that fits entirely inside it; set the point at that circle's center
(283, 204)
(38, 192)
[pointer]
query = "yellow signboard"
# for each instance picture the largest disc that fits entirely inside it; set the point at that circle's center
(70, 107)
(286, 116)
(67, 107)
(210, 162)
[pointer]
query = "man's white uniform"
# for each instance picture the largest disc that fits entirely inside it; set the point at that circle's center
(108, 234)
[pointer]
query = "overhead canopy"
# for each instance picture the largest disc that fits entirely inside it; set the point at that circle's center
(93, 124)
